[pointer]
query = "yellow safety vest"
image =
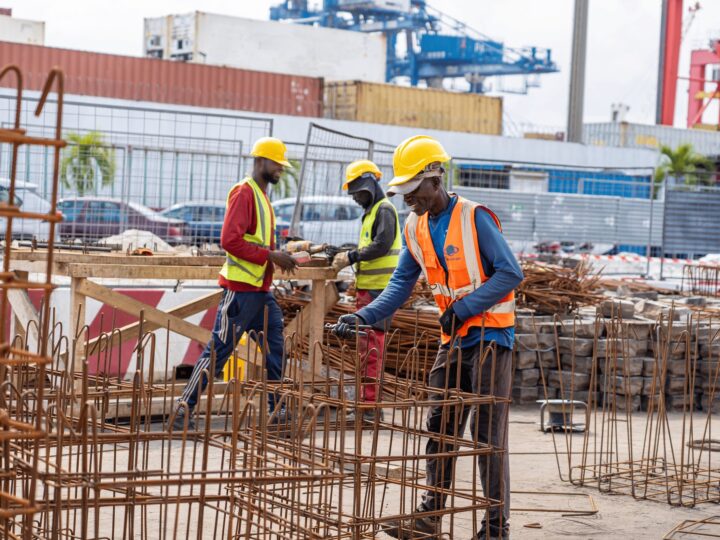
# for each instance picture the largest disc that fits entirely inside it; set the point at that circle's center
(236, 269)
(375, 274)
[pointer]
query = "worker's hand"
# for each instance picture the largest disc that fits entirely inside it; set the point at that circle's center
(341, 260)
(347, 326)
(450, 322)
(283, 260)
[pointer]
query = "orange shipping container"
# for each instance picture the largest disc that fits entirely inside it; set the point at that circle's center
(413, 107)
(164, 81)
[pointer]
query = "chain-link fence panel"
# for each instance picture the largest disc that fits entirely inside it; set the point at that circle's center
(572, 208)
(165, 173)
(692, 221)
(321, 211)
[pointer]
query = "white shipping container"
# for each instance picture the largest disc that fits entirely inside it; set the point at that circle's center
(267, 46)
(627, 135)
(22, 30)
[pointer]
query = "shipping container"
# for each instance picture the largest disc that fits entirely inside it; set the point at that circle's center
(21, 30)
(162, 81)
(208, 38)
(627, 135)
(413, 107)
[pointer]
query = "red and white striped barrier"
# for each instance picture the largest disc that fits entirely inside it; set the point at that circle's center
(123, 362)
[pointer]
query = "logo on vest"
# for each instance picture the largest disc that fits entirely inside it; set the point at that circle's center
(451, 250)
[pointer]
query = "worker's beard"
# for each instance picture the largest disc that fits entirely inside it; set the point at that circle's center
(270, 178)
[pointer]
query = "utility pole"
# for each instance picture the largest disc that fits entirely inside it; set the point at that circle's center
(577, 72)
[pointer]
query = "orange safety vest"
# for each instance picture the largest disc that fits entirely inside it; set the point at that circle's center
(462, 257)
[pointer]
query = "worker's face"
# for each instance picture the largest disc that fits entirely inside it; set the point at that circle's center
(363, 198)
(271, 171)
(421, 200)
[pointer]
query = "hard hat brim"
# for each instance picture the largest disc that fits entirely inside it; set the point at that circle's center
(403, 178)
(405, 187)
(278, 161)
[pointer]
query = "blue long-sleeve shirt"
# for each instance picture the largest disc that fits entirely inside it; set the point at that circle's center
(499, 264)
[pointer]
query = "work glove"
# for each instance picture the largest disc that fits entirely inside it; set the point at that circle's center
(341, 260)
(450, 322)
(347, 326)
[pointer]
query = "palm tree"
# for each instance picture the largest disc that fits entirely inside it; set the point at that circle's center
(685, 166)
(87, 162)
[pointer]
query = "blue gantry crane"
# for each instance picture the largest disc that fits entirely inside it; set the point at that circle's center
(435, 46)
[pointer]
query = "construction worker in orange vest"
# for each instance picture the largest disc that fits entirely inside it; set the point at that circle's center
(375, 259)
(458, 246)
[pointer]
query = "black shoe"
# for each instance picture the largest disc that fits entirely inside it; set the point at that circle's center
(416, 527)
(178, 423)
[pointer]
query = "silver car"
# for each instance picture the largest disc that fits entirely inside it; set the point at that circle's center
(323, 219)
(28, 200)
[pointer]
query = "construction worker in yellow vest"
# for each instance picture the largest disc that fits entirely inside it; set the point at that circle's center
(375, 259)
(458, 246)
(248, 238)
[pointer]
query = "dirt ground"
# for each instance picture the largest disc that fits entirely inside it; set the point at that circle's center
(533, 468)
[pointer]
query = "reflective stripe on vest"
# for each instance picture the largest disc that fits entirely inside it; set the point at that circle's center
(375, 274)
(462, 258)
(236, 269)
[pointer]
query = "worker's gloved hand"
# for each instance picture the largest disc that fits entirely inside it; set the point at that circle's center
(341, 260)
(450, 322)
(347, 326)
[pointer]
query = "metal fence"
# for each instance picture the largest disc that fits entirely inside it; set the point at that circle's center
(572, 208)
(691, 224)
(121, 162)
(320, 210)
(161, 158)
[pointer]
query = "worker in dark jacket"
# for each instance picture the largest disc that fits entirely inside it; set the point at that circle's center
(458, 246)
(248, 238)
(375, 258)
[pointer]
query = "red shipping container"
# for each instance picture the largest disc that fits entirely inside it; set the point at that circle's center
(165, 81)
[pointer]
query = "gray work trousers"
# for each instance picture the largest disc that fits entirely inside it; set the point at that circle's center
(489, 425)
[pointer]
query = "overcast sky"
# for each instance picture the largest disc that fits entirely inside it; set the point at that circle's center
(622, 43)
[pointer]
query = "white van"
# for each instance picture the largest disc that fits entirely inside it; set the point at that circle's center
(27, 198)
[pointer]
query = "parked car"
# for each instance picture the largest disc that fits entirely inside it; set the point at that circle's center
(28, 200)
(323, 218)
(93, 218)
(204, 219)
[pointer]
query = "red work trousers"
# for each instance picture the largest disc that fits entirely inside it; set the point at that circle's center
(370, 353)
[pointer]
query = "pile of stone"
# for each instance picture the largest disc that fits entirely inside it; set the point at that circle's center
(624, 355)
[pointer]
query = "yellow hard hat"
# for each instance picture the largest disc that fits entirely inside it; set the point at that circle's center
(272, 149)
(357, 168)
(413, 155)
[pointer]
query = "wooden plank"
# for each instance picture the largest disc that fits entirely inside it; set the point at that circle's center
(24, 312)
(132, 331)
(293, 327)
(142, 272)
(151, 314)
(317, 322)
(118, 258)
(152, 267)
(77, 321)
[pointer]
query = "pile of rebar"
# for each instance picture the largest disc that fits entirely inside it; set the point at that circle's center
(551, 289)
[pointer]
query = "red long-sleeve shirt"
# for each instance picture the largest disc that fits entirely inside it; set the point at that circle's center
(240, 218)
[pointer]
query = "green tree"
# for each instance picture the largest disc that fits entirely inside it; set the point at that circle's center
(685, 166)
(87, 163)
